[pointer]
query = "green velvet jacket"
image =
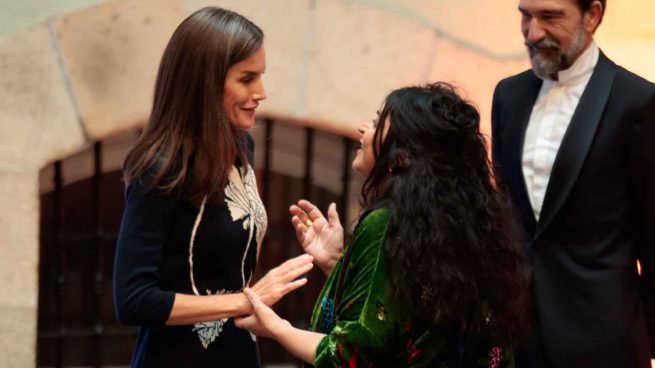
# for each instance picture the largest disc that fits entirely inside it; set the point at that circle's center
(366, 328)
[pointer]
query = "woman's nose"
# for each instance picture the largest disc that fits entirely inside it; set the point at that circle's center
(260, 93)
(363, 127)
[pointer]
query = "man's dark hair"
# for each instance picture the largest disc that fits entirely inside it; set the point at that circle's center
(586, 4)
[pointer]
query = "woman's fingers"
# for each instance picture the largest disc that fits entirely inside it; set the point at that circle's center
(244, 322)
(286, 275)
(282, 279)
(295, 262)
(295, 267)
(300, 213)
(253, 298)
(333, 215)
(296, 210)
(263, 321)
(301, 223)
(310, 210)
(288, 270)
(300, 228)
(284, 290)
(248, 322)
(294, 285)
(297, 272)
(305, 205)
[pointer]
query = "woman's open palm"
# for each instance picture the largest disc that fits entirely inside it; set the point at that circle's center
(320, 237)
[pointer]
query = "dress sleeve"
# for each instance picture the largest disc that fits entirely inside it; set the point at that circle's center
(137, 296)
(365, 327)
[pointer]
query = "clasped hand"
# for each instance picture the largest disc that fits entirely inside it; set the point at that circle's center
(320, 238)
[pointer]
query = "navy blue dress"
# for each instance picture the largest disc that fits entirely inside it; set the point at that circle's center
(167, 245)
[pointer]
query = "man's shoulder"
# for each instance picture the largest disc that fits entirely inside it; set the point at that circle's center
(628, 79)
(640, 90)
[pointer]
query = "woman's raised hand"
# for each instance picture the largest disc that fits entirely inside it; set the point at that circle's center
(283, 279)
(319, 237)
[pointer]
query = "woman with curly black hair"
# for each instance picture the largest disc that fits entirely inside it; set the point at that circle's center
(433, 274)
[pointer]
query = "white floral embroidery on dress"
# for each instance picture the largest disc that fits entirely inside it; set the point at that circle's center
(209, 331)
(244, 204)
(243, 201)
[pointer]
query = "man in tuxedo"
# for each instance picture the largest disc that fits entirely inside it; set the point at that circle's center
(574, 142)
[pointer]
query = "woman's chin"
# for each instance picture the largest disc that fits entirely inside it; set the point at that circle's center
(357, 167)
(243, 123)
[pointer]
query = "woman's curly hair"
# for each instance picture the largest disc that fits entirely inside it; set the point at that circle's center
(452, 248)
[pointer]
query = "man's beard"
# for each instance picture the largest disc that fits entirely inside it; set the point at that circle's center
(555, 58)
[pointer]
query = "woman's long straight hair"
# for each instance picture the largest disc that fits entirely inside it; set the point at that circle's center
(188, 140)
(452, 249)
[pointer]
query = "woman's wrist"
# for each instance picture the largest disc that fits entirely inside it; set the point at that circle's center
(243, 305)
(235, 304)
(328, 266)
(281, 328)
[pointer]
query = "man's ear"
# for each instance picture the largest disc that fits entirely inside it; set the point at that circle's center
(593, 17)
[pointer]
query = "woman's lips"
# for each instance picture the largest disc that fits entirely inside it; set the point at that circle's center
(249, 112)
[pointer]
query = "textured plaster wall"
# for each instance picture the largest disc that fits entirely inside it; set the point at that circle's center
(16, 16)
(75, 71)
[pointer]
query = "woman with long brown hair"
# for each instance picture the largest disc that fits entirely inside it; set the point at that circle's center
(193, 222)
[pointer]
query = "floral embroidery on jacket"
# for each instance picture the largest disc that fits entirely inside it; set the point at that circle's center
(327, 305)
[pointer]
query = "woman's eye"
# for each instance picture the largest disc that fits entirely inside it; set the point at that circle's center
(247, 79)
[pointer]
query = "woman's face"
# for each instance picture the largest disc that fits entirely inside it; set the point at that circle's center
(365, 158)
(243, 89)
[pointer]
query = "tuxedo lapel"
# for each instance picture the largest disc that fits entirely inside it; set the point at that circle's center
(521, 109)
(577, 141)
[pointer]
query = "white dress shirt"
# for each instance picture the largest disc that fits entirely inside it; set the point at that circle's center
(551, 115)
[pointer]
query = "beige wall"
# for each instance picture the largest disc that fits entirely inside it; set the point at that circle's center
(88, 73)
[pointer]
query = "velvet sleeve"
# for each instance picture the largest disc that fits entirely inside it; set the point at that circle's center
(372, 329)
(137, 296)
(365, 325)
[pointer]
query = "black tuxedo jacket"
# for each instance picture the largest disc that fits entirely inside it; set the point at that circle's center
(592, 309)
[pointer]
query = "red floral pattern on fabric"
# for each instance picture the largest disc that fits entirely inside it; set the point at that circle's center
(413, 351)
(352, 363)
(495, 357)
